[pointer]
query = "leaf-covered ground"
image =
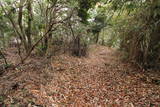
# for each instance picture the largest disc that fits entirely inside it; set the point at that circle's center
(100, 80)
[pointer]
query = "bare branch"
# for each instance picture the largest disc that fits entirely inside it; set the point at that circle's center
(45, 36)
(11, 20)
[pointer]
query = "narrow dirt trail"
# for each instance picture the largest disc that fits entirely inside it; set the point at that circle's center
(101, 80)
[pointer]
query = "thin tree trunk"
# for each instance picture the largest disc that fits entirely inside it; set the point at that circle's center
(20, 19)
(97, 38)
(49, 45)
(3, 41)
(29, 29)
(46, 43)
(12, 22)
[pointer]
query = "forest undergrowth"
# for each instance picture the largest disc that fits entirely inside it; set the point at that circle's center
(102, 79)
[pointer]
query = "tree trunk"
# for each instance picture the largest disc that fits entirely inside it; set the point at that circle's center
(49, 50)
(22, 34)
(3, 39)
(29, 29)
(97, 38)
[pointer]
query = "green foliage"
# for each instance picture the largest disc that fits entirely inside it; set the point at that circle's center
(84, 6)
(131, 25)
(1, 99)
(135, 27)
(99, 24)
(40, 50)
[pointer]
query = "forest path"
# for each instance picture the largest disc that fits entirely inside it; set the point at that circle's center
(101, 80)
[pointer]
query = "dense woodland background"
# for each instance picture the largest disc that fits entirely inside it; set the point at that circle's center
(47, 28)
